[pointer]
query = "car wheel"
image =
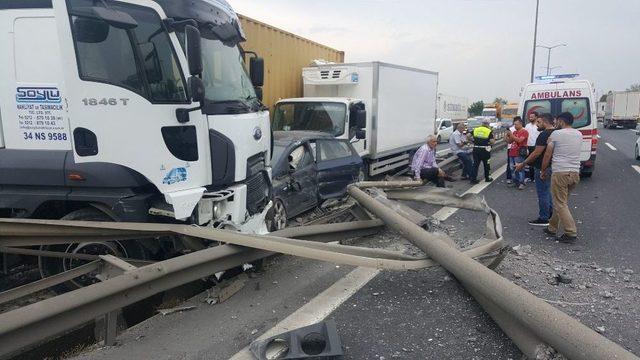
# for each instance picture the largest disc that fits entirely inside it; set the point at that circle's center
(637, 152)
(439, 139)
(49, 266)
(278, 216)
(361, 176)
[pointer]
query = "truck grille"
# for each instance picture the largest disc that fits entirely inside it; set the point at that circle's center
(257, 193)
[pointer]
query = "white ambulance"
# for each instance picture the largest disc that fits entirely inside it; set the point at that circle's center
(575, 96)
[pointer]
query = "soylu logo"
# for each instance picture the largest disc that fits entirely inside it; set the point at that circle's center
(38, 95)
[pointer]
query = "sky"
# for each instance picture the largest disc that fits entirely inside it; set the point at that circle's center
(481, 49)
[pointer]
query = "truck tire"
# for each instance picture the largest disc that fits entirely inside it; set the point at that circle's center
(637, 152)
(50, 266)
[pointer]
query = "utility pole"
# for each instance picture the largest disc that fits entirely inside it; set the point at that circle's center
(535, 36)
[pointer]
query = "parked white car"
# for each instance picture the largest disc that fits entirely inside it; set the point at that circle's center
(444, 129)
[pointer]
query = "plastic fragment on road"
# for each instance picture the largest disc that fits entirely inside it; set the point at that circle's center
(315, 341)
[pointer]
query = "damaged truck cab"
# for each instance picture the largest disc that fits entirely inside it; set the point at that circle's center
(137, 110)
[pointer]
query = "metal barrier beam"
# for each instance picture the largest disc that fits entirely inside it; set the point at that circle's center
(564, 333)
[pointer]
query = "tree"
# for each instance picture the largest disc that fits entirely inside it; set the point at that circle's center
(476, 108)
(634, 87)
(500, 100)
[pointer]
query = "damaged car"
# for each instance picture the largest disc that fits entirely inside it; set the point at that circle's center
(309, 168)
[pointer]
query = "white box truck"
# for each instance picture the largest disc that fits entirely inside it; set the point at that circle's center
(386, 110)
(623, 109)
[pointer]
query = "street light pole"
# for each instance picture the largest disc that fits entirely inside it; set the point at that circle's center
(535, 36)
(549, 48)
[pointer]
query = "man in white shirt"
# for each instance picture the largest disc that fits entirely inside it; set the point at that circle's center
(457, 144)
(533, 131)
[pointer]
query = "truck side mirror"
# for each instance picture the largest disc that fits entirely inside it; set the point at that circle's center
(259, 93)
(194, 49)
(361, 134)
(361, 118)
(256, 71)
(196, 89)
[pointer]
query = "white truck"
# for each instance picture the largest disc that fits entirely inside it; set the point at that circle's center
(452, 107)
(131, 110)
(623, 109)
(386, 110)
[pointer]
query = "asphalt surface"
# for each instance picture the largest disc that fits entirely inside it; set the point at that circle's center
(427, 314)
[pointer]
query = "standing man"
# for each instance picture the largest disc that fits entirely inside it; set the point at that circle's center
(532, 129)
(424, 163)
(457, 143)
(543, 187)
(506, 136)
(518, 151)
(482, 141)
(563, 152)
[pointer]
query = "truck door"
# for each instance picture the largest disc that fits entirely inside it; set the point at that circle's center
(123, 81)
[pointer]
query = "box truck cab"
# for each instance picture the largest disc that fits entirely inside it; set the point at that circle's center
(574, 96)
(386, 110)
(139, 109)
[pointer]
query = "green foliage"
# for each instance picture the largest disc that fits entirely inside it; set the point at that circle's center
(476, 108)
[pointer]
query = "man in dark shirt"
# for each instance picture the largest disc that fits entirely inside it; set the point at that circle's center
(543, 187)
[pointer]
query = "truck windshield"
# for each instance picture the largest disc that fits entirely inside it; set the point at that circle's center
(326, 117)
(509, 111)
(491, 112)
(228, 88)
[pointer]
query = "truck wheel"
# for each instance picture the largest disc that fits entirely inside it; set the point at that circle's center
(50, 266)
(277, 216)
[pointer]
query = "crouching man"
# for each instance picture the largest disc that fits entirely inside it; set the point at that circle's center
(424, 164)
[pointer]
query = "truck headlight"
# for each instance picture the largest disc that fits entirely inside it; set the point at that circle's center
(218, 209)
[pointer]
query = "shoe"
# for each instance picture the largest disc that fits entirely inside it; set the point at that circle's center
(539, 222)
(527, 180)
(567, 239)
(489, 179)
(549, 232)
(521, 187)
(464, 178)
(449, 178)
(474, 182)
(509, 181)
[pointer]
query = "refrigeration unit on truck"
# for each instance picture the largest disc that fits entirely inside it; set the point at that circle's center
(575, 96)
(131, 110)
(622, 109)
(386, 110)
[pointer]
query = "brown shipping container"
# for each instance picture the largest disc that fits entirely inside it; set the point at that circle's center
(285, 54)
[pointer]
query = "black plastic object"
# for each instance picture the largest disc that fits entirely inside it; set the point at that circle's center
(317, 341)
(85, 141)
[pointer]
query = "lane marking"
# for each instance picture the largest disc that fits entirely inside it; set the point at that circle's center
(611, 146)
(636, 168)
(319, 307)
(634, 130)
(329, 300)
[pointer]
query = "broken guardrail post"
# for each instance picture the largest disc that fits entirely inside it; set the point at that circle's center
(557, 329)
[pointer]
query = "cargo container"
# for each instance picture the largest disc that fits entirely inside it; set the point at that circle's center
(452, 107)
(386, 110)
(285, 54)
(623, 109)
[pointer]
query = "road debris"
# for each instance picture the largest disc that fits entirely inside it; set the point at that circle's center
(174, 310)
(226, 289)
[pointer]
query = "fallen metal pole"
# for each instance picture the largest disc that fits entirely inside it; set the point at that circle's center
(564, 333)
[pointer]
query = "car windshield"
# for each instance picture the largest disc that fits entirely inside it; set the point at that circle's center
(474, 123)
(312, 116)
(490, 112)
(509, 111)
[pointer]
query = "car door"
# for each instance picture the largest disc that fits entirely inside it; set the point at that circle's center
(446, 129)
(338, 166)
(300, 192)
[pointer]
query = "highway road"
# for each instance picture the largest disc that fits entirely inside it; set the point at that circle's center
(427, 314)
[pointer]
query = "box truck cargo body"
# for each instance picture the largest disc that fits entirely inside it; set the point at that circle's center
(285, 55)
(452, 107)
(387, 110)
(623, 109)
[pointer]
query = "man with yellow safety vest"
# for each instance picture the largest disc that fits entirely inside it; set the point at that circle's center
(482, 141)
